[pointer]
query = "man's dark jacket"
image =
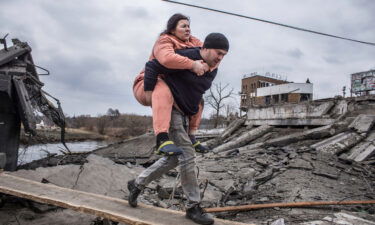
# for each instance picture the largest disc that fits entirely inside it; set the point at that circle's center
(187, 88)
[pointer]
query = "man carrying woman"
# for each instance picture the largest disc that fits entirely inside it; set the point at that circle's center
(176, 36)
(187, 90)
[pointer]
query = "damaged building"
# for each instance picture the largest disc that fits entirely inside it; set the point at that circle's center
(270, 89)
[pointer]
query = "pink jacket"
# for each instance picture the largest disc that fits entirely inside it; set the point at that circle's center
(164, 51)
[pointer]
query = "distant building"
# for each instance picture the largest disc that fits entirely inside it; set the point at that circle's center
(363, 83)
(267, 90)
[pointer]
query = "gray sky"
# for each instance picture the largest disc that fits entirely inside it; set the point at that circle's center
(94, 49)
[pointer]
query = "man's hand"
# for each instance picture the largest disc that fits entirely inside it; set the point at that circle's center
(148, 96)
(200, 67)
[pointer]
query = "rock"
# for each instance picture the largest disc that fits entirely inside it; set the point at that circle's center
(292, 155)
(263, 199)
(162, 204)
(231, 203)
(262, 162)
(27, 215)
(265, 176)
(212, 194)
(278, 222)
(222, 185)
(216, 168)
(165, 188)
(247, 173)
(249, 188)
(41, 208)
(300, 164)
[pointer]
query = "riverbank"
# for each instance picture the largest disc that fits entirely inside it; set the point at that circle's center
(53, 136)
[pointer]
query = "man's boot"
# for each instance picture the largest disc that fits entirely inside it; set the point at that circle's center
(197, 215)
(166, 147)
(133, 193)
(198, 145)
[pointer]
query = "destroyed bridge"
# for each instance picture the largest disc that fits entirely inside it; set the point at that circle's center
(306, 163)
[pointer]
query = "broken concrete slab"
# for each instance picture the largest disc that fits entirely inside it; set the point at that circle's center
(232, 127)
(363, 123)
(302, 110)
(363, 150)
(340, 108)
(292, 122)
(100, 175)
(338, 143)
(244, 138)
(137, 150)
(39, 174)
(316, 133)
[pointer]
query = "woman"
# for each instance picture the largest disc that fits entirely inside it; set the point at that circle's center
(176, 36)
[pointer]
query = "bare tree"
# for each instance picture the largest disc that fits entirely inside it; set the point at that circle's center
(216, 97)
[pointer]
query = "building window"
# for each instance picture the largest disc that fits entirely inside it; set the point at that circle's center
(284, 97)
(305, 97)
(275, 98)
(268, 100)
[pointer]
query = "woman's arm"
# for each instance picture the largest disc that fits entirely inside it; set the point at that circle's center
(164, 52)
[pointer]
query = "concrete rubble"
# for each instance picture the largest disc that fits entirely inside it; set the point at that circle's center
(250, 164)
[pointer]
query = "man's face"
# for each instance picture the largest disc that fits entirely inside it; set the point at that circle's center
(213, 57)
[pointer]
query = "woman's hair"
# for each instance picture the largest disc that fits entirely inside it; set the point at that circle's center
(173, 21)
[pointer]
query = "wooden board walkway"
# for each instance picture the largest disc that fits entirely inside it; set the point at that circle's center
(99, 205)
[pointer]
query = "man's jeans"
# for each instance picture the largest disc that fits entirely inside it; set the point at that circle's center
(186, 161)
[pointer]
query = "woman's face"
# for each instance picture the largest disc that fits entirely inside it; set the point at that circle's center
(182, 30)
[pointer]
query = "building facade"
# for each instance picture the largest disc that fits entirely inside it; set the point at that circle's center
(282, 93)
(250, 86)
(262, 90)
(363, 83)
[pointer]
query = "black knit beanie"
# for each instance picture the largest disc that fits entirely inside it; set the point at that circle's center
(216, 41)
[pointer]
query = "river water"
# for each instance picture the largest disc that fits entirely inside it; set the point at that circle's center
(34, 152)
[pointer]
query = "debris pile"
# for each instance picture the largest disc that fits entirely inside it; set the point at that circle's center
(250, 164)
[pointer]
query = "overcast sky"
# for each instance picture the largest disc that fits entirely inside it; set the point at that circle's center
(95, 48)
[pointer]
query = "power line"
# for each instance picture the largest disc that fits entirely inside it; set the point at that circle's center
(271, 22)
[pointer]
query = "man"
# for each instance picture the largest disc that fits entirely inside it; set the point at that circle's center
(187, 90)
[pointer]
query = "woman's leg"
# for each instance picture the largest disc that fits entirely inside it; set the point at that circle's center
(162, 103)
(194, 122)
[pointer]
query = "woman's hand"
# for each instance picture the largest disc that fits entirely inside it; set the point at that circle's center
(200, 67)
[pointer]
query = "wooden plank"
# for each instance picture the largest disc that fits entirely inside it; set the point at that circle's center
(99, 205)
